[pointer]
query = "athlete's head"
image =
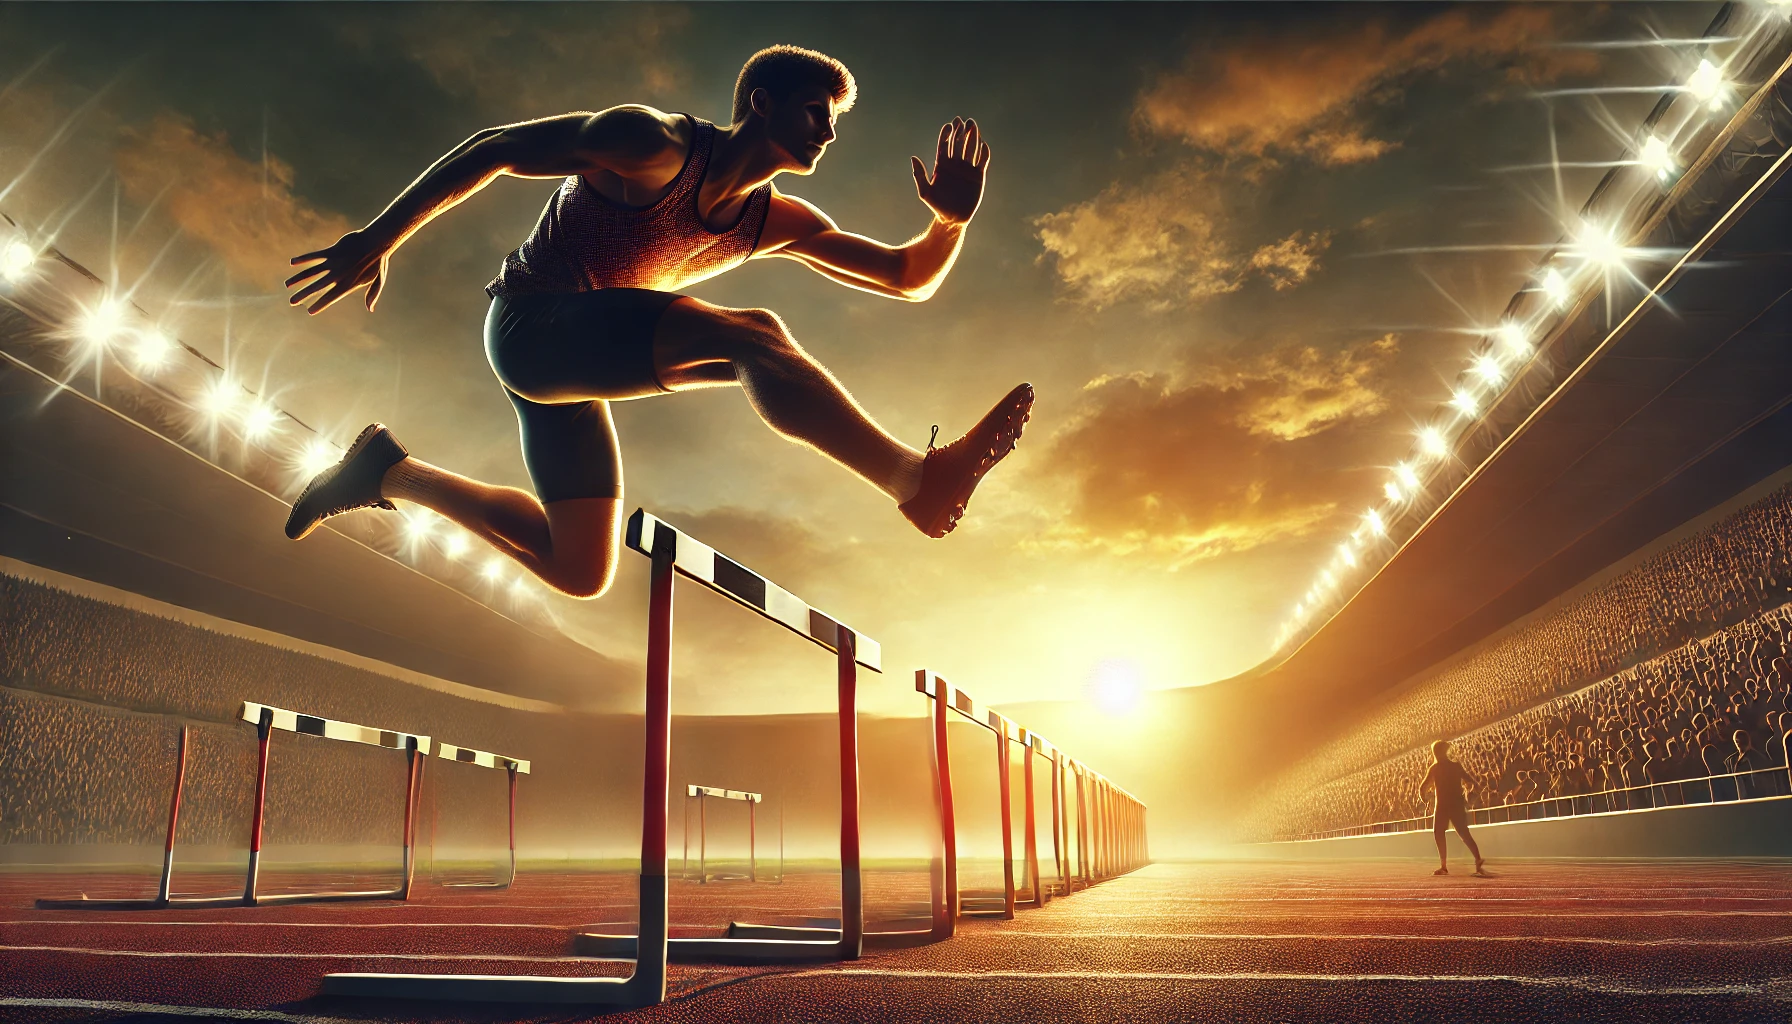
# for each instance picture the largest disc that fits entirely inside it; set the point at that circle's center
(796, 93)
(1440, 749)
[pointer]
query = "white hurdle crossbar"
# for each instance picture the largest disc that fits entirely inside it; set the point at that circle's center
(674, 554)
(512, 767)
(703, 794)
(266, 720)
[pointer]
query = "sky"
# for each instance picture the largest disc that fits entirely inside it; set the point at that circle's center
(1194, 242)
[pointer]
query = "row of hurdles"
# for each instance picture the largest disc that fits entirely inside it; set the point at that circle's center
(1098, 829)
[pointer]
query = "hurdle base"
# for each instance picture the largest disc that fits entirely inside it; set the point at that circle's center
(490, 988)
(274, 899)
(140, 903)
(763, 944)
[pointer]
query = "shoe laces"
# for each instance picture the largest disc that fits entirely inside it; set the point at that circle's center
(935, 436)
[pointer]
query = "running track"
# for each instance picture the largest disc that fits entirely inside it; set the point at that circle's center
(1588, 942)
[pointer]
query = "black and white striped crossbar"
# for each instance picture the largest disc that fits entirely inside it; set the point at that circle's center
(723, 794)
(935, 685)
(467, 755)
(329, 729)
(700, 562)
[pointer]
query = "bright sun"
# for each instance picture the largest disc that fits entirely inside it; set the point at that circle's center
(1115, 686)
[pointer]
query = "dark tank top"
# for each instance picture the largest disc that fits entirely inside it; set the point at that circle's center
(584, 242)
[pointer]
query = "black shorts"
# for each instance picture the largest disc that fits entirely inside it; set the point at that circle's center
(1446, 815)
(562, 360)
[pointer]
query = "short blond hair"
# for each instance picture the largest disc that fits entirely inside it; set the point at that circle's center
(781, 70)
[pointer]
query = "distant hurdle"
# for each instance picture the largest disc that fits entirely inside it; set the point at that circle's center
(1108, 832)
(703, 794)
(512, 768)
(673, 554)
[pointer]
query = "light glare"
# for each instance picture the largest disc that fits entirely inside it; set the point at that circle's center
(1407, 477)
(260, 420)
(456, 545)
(1706, 83)
(1464, 403)
(16, 261)
(1556, 287)
(1512, 338)
(1116, 686)
(220, 398)
(317, 456)
(1376, 526)
(494, 569)
(1655, 156)
(1489, 370)
(1432, 443)
(152, 351)
(103, 323)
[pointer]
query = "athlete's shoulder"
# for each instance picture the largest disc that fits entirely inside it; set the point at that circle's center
(790, 219)
(635, 137)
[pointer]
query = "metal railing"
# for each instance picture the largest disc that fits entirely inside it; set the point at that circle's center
(1711, 789)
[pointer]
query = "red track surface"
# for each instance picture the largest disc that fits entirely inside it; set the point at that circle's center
(1385, 941)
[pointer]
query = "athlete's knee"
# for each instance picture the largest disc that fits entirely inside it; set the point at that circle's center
(759, 333)
(586, 581)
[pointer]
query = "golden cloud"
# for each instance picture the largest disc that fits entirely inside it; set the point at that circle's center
(1220, 461)
(244, 210)
(1305, 94)
(1158, 242)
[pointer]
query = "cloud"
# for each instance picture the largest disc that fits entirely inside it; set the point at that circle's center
(1305, 94)
(572, 58)
(244, 210)
(1189, 467)
(1163, 242)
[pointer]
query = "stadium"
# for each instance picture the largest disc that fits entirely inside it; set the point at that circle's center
(376, 777)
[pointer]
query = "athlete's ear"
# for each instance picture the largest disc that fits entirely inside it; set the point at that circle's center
(761, 102)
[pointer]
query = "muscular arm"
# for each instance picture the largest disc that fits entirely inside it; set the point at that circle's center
(911, 271)
(637, 145)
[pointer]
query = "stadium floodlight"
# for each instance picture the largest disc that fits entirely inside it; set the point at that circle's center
(16, 261)
(151, 351)
(1598, 245)
(1489, 370)
(1464, 402)
(260, 420)
(455, 545)
(102, 324)
(219, 398)
(1433, 443)
(1347, 555)
(1707, 85)
(1555, 286)
(317, 456)
(1327, 579)
(1408, 478)
(1654, 156)
(494, 569)
(1513, 339)
(418, 523)
(1374, 521)
(1392, 490)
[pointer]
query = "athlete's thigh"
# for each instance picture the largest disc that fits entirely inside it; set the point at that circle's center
(696, 343)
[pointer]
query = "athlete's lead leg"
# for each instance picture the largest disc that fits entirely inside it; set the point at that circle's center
(698, 344)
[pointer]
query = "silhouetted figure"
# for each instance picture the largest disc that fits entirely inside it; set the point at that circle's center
(1447, 779)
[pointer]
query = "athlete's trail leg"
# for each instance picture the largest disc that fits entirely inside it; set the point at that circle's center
(1462, 830)
(1440, 831)
(698, 344)
(570, 544)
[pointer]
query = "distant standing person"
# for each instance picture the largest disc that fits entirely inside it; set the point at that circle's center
(1447, 778)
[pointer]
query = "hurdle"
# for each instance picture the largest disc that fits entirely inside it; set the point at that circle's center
(267, 720)
(673, 554)
(164, 897)
(702, 795)
(512, 767)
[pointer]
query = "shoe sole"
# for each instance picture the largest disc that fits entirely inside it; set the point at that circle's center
(1004, 442)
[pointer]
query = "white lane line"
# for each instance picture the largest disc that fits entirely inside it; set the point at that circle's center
(999, 933)
(222, 1012)
(1590, 983)
(507, 958)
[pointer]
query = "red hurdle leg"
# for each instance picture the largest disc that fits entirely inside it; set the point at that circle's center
(180, 781)
(946, 926)
(1005, 794)
(1058, 822)
(702, 838)
(414, 781)
(512, 772)
(649, 979)
(852, 892)
(752, 840)
(264, 731)
(1030, 821)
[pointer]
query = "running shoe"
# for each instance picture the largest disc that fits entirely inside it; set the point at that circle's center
(951, 473)
(350, 484)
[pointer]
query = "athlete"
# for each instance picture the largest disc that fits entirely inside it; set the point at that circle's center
(587, 312)
(1447, 778)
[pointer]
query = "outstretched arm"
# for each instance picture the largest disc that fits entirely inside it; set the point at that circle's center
(632, 141)
(798, 230)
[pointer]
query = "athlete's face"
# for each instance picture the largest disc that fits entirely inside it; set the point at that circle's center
(802, 125)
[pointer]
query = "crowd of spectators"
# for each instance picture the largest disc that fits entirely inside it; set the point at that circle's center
(1670, 685)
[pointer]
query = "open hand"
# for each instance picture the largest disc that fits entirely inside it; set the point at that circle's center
(354, 261)
(957, 184)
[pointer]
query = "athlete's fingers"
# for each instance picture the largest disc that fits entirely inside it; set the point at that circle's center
(945, 145)
(329, 298)
(309, 290)
(318, 255)
(920, 170)
(970, 139)
(982, 160)
(307, 272)
(373, 292)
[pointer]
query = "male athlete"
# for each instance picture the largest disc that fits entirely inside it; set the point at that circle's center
(1448, 778)
(586, 311)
